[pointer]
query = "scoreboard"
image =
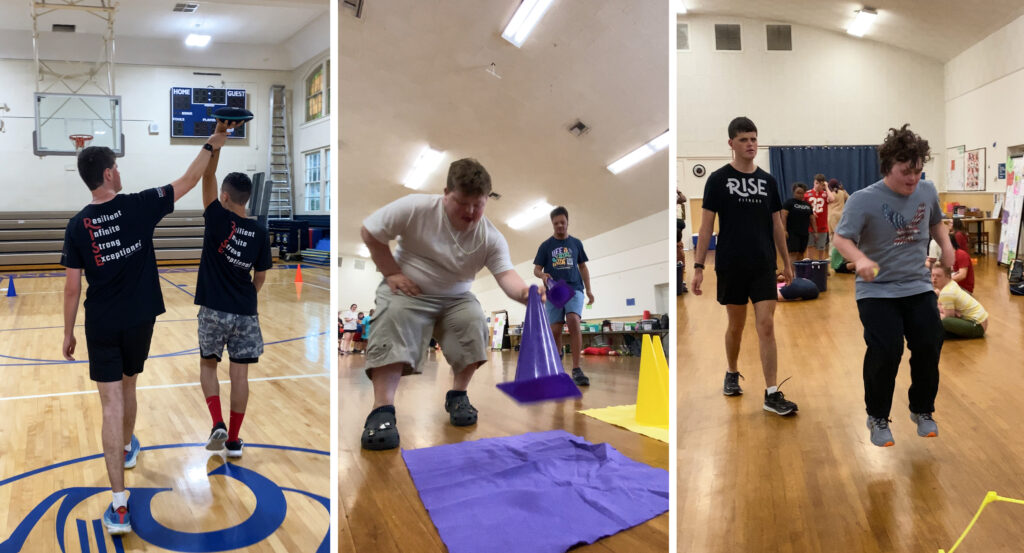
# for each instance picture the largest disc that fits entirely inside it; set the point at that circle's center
(192, 110)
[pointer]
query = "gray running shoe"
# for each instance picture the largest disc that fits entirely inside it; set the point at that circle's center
(732, 384)
(926, 427)
(880, 433)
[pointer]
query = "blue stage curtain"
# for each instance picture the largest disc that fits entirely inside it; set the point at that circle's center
(855, 166)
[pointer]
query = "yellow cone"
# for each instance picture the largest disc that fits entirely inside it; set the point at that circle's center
(652, 390)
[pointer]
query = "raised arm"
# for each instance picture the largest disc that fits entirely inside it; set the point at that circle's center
(195, 171)
(72, 294)
(382, 257)
(210, 180)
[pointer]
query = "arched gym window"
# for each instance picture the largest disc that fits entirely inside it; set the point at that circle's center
(318, 91)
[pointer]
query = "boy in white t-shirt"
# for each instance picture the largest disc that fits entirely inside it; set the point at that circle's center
(442, 242)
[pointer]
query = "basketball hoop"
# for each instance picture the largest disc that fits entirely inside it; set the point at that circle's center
(80, 141)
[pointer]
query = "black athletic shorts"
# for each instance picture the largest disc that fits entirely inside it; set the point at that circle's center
(114, 354)
(796, 243)
(737, 287)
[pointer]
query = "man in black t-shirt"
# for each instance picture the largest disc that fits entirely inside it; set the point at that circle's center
(111, 241)
(796, 218)
(746, 199)
(233, 245)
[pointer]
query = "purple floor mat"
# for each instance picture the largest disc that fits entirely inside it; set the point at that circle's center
(541, 492)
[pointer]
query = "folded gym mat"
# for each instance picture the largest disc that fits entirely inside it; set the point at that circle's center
(541, 492)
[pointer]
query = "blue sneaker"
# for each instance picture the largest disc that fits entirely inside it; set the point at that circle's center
(132, 457)
(117, 521)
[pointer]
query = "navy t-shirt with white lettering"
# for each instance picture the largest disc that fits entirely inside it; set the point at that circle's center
(232, 247)
(745, 204)
(561, 259)
(113, 243)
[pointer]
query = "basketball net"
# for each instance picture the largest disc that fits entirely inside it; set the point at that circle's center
(80, 141)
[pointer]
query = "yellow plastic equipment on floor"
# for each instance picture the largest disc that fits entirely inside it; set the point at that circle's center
(650, 414)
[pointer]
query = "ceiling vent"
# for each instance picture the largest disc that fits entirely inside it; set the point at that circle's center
(682, 36)
(60, 28)
(780, 37)
(360, 265)
(727, 37)
(186, 7)
(579, 128)
(356, 6)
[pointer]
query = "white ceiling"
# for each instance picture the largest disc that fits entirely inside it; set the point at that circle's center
(938, 29)
(413, 73)
(264, 22)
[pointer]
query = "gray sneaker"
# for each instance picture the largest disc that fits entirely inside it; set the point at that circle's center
(731, 387)
(880, 433)
(926, 427)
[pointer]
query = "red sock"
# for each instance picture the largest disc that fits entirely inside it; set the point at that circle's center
(236, 424)
(213, 403)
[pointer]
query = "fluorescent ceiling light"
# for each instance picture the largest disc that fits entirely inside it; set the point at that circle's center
(425, 164)
(363, 251)
(197, 40)
(524, 20)
(864, 20)
(640, 154)
(680, 7)
(530, 214)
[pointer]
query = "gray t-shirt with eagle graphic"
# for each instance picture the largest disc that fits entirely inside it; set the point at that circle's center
(892, 230)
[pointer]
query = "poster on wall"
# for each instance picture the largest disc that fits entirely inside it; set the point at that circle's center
(1011, 216)
(974, 169)
(955, 168)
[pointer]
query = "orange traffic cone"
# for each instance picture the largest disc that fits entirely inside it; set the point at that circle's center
(298, 273)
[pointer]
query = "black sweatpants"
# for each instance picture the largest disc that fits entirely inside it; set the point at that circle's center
(886, 322)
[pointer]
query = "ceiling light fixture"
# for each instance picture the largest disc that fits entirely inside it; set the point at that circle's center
(197, 40)
(524, 20)
(421, 169)
(864, 20)
(363, 251)
(530, 214)
(643, 152)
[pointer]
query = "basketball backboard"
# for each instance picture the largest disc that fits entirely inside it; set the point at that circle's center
(58, 116)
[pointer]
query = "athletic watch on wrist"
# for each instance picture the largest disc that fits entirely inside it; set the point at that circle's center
(208, 147)
(698, 266)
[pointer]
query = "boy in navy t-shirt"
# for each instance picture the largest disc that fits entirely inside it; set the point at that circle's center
(561, 257)
(233, 245)
(111, 242)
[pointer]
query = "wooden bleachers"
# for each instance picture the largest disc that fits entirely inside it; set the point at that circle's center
(36, 238)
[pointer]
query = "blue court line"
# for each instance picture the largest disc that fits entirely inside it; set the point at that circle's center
(101, 543)
(83, 325)
(179, 287)
(189, 351)
(166, 270)
(152, 447)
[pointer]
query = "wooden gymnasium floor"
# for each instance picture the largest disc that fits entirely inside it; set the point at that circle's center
(753, 481)
(52, 415)
(380, 511)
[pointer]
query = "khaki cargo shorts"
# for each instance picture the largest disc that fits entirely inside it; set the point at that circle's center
(403, 326)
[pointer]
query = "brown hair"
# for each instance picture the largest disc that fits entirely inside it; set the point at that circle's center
(900, 146)
(92, 162)
(948, 271)
(819, 178)
(469, 177)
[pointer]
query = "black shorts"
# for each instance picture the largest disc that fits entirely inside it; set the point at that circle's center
(737, 287)
(796, 243)
(114, 354)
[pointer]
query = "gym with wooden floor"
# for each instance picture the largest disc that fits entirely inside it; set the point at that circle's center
(750, 480)
(460, 88)
(65, 90)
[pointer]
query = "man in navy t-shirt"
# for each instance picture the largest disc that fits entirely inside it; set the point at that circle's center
(233, 245)
(111, 241)
(561, 257)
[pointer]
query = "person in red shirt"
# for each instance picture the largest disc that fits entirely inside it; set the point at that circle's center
(819, 197)
(960, 233)
(963, 269)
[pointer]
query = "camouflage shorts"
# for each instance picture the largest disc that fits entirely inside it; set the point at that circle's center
(241, 334)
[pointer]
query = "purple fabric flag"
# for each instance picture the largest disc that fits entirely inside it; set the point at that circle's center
(541, 492)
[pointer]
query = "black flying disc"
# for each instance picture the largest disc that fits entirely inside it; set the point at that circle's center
(232, 114)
